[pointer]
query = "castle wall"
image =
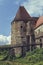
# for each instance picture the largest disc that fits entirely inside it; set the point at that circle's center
(18, 34)
(39, 34)
(21, 34)
(15, 33)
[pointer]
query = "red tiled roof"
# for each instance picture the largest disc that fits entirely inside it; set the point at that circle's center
(22, 14)
(39, 21)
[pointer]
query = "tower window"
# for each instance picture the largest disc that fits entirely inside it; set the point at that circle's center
(21, 26)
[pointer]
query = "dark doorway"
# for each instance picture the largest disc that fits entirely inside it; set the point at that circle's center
(28, 42)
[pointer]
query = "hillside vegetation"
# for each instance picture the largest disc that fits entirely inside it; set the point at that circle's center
(32, 58)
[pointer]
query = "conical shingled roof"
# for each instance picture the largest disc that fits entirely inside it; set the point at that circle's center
(22, 14)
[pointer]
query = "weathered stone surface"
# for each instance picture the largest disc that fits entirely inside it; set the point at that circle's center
(22, 33)
(17, 32)
(22, 30)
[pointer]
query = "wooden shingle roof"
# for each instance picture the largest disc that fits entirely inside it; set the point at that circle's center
(22, 14)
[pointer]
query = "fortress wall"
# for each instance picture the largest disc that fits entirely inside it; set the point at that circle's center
(15, 36)
(18, 34)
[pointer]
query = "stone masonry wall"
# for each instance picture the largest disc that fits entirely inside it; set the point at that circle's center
(18, 34)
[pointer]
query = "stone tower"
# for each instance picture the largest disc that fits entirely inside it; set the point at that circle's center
(21, 28)
(18, 29)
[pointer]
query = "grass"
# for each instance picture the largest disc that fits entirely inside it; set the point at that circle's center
(32, 58)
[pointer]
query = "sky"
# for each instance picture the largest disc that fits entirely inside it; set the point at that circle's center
(8, 9)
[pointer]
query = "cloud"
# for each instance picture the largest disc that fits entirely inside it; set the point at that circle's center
(34, 7)
(5, 39)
